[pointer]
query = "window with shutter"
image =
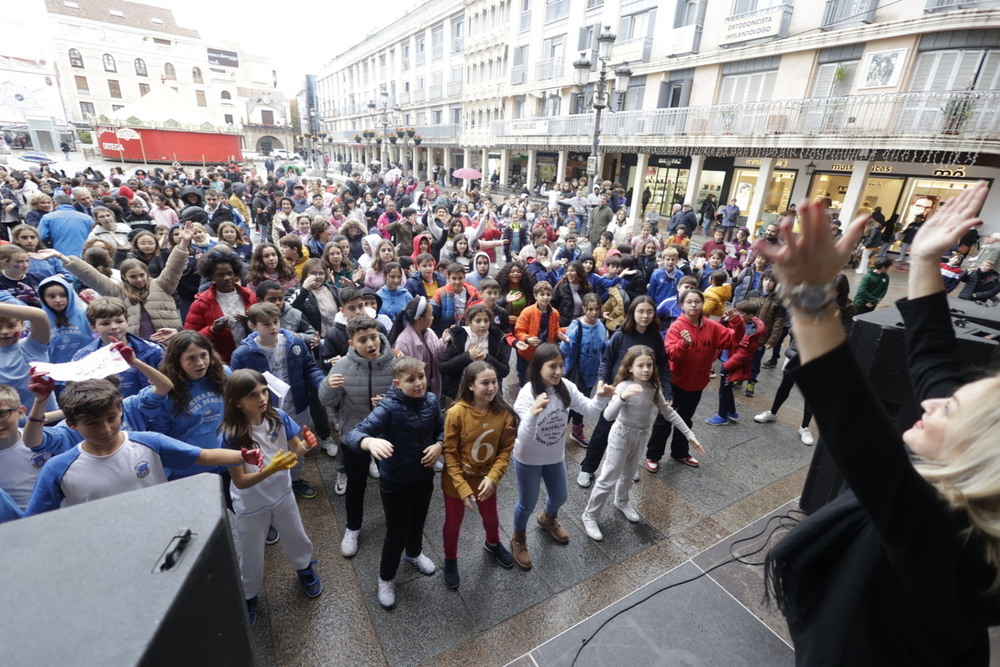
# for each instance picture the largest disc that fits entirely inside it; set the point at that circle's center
(950, 70)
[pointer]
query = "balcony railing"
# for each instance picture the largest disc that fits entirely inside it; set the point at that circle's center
(445, 131)
(962, 115)
(683, 40)
(525, 21)
(454, 88)
(633, 50)
(456, 44)
(518, 74)
(435, 91)
(945, 5)
(419, 95)
(840, 13)
(550, 68)
(404, 98)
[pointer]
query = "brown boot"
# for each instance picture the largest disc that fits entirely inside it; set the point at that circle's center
(519, 547)
(551, 524)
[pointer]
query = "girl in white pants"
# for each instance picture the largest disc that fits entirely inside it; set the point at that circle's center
(264, 498)
(631, 408)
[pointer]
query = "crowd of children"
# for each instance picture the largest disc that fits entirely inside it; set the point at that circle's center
(384, 318)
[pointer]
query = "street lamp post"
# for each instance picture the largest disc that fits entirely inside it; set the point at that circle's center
(583, 67)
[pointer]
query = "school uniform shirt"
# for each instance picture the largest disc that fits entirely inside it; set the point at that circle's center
(198, 425)
(271, 439)
(20, 465)
(541, 440)
(76, 476)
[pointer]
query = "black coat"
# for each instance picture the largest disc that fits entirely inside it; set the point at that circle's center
(455, 358)
(853, 577)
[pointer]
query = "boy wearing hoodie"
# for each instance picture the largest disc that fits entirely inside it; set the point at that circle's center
(363, 374)
(337, 341)
(192, 205)
(279, 351)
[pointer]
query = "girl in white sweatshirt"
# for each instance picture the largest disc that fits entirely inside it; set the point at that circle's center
(543, 406)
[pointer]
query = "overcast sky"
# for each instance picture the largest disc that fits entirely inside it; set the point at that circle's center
(299, 37)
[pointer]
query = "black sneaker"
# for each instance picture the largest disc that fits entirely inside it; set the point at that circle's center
(500, 552)
(272, 536)
(302, 489)
(769, 364)
(252, 609)
(451, 578)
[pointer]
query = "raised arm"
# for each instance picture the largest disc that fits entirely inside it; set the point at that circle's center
(36, 317)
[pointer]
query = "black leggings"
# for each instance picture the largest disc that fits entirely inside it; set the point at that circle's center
(781, 396)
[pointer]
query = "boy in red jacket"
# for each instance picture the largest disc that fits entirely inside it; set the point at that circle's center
(737, 368)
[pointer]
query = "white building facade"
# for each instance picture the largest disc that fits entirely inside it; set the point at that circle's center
(110, 53)
(764, 101)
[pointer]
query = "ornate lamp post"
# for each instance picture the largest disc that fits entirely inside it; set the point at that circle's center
(583, 67)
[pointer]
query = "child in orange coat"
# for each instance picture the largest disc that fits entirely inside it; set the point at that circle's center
(537, 324)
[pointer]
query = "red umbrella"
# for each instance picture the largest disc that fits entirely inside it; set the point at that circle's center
(468, 173)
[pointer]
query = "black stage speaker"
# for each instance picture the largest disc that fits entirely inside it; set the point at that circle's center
(142, 578)
(877, 341)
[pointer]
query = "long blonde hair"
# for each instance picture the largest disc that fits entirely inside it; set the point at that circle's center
(968, 474)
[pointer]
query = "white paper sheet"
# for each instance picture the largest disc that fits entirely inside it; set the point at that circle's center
(101, 363)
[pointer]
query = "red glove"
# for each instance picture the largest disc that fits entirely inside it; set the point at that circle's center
(122, 348)
(40, 384)
(254, 457)
(309, 437)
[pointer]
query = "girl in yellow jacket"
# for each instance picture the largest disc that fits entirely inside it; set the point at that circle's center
(479, 433)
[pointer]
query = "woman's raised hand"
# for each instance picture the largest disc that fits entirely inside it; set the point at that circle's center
(811, 256)
(949, 223)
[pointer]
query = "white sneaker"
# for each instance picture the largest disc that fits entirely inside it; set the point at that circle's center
(592, 529)
(340, 486)
(331, 447)
(584, 478)
(635, 476)
(629, 512)
(386, 594)
(422, 563)
(806, 436)
(349, 544)
(373, 469)
(765, 417)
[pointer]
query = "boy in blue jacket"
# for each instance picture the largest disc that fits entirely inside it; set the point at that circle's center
(286, 356)
(405, 434)
(427, 280)
(108, 318)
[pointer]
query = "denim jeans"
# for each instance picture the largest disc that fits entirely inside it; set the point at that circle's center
(529, 480)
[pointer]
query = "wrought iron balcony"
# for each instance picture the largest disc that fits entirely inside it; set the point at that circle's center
(950, 118)
(549, 68)
(842, 13)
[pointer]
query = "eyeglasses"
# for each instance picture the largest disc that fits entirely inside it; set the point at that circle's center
(6, 413)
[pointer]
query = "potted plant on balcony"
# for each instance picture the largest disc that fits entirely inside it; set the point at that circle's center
(416, 139)
(958, 110)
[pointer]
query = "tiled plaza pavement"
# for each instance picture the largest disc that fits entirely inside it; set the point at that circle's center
(500, 616)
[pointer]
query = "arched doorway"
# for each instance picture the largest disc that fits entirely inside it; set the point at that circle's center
(268, 144)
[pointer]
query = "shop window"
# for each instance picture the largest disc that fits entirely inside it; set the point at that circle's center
(140, 67)
(108, 61)
(75, 59)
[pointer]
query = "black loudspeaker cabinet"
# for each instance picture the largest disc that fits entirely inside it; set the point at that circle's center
(877, 341)
(148, 577)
